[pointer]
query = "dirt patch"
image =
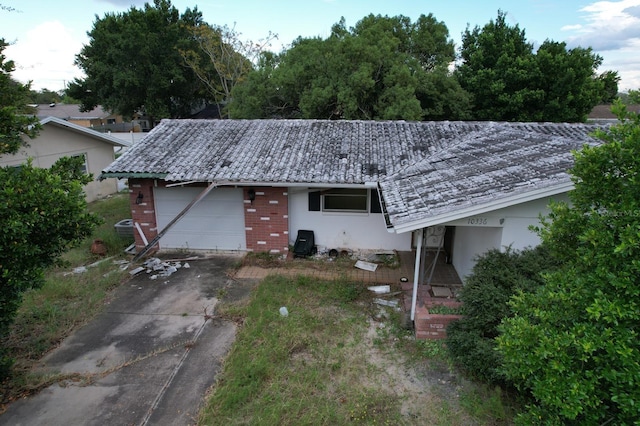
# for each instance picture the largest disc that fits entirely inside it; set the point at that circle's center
(423, 390)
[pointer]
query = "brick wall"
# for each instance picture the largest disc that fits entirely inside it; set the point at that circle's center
(143, 213)
(434, 326)
(267, 220)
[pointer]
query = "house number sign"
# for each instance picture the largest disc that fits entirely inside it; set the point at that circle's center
(478, 221)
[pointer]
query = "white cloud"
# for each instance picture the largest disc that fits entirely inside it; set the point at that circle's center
(45, 56)
(610, 25)
(575, 27)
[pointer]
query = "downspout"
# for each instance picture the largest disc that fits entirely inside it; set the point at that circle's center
(416, 275)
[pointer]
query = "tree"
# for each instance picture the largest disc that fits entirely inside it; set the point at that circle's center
(44, 96)
(223, 59)
(510, 82)
(15, 119)
(42, 212)
(382, 68)
(634, 96)
(574, 345)
(133, 63)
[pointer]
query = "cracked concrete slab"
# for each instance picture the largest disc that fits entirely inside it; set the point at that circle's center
(148, 359)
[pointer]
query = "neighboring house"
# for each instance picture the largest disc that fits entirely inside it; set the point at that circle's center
(465, 187)
(602, 113)
(97, 119)
(59, 138)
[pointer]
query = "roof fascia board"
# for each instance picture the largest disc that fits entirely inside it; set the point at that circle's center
(484, 208)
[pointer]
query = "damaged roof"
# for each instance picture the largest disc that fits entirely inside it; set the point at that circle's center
(501, 165)
(283, 151)
(424, 169)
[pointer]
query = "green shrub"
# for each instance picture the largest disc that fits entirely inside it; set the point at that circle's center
(574, 345)
(496, 276)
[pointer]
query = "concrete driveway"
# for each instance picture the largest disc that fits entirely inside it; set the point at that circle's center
(148, 359)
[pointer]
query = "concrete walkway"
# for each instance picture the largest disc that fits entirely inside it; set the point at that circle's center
(147, 360)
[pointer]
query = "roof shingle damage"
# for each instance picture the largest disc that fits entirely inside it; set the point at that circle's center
(422, 168)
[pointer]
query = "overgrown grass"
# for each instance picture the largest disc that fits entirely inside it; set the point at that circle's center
(330, 362)
(67, 300)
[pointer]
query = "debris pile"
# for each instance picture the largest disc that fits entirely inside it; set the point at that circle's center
(384, 291)
(158, 268)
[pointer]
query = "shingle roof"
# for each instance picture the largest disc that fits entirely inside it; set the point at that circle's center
(70, 112)
(502, 161)
(283, 151)
(423, 168)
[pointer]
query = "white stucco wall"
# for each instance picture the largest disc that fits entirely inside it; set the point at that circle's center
(469, 242)
(54, 142)
(342, 230)
(497, 229)
(518, 218)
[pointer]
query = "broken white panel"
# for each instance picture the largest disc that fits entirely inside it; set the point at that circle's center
(367, 266)
(380, 289)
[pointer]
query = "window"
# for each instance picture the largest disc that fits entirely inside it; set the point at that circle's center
(345, 200)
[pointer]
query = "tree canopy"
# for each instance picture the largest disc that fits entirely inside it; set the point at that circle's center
(133, 63)
(222, 59)
(42, 211)
(574, 345)
(15, 120)
(508, 81)
(382, 68)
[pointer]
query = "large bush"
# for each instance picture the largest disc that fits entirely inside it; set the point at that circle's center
(496, 276)
(574, 345)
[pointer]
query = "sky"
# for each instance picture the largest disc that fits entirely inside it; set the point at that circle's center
(46, 35)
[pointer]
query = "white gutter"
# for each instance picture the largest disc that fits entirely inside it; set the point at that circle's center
(282, 184)
(484, 208)
(416, 273)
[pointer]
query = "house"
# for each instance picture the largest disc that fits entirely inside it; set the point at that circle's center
(59, 138)
(96, 119)
(602, 113)
(459, 187)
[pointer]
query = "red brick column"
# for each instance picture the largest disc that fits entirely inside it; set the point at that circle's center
(143, 210)
(266, 220)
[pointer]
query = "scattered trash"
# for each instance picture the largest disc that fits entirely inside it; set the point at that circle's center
(367, 266)
(161, 268)
(283, 311)
(186, 265)
(404, 279)
(137, 270)
(380, 289)
(391, 303)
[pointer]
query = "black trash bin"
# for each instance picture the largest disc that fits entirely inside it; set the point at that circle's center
(305, 244)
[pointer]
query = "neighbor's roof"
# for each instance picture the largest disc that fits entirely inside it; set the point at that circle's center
(70, 112)
(425, 170)
(104, 137)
